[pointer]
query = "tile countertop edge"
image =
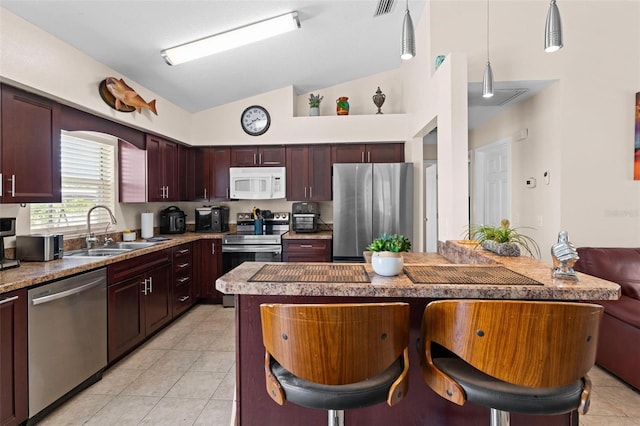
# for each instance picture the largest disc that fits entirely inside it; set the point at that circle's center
(588, 288)
(29, 274)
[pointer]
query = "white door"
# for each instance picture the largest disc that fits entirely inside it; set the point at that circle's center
(431, 207)
(492, 189)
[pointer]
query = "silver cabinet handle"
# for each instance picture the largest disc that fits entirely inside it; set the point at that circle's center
(362, 157)
(13, 185)
(311, 192)
(260, 157)
(183, 251)
(144, 283)
(213, 248)
(9, 299)
(184, 298)
(306, 245)
(150, 284)
(183, 279)
(254, 158)
(167, 191)
(369, 157)
(183, 265)
(305, 192)
(205, 193)
(1, 192)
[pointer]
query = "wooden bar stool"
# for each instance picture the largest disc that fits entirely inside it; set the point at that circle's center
(336, 356)
(512, 356)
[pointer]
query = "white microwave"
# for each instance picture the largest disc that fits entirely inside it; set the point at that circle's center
(257, 183)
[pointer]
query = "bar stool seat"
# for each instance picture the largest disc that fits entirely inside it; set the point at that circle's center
(336, 357)
(528, 357)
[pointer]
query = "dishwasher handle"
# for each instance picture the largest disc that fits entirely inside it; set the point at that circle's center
(66, 293)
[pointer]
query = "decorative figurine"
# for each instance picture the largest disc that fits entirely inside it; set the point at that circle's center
(342, 106)
(564, 256)
(378, 99)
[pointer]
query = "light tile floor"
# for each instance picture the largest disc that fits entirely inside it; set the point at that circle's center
(185, 375)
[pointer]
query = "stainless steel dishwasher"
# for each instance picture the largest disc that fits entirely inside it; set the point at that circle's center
(67, 323)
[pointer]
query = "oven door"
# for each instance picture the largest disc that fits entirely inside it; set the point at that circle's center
(235, 254)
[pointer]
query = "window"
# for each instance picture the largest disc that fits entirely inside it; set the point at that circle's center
(88, 178)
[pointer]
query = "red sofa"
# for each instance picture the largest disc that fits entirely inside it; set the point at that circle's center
(619, 344)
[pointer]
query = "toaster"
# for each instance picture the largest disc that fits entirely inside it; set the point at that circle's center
(39, 248)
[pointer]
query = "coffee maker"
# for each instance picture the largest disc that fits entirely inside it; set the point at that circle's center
(212, 219)
(7, 229)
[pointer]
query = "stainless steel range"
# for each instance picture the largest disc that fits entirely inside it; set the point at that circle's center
(246, 246)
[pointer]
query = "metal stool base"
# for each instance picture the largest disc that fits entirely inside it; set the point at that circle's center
(336, 418)
(500, 418)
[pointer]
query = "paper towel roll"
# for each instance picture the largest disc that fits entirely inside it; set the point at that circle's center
(146, 225)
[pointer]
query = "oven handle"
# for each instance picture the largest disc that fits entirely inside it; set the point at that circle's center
(254, 248)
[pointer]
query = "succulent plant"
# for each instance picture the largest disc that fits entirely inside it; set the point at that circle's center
(395, 243)
(504, 234)
(314, 100)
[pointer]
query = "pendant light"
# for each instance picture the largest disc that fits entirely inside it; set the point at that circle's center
(487, 80)
(408, 36)
(553, 29)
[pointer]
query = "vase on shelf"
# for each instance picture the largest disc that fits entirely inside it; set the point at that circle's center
(342, 105)
(378, 100)
(314, 111)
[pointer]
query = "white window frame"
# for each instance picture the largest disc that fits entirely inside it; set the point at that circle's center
(92, 157)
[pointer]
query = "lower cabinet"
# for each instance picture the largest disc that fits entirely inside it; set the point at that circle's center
(139, 300)
(208, 267)
(13, 358)
(183, 297)
(306, 250)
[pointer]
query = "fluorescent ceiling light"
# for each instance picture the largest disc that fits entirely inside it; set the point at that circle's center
(231, 39)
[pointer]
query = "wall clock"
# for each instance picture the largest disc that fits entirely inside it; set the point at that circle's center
(255, 120)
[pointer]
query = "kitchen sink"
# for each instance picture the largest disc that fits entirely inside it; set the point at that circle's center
(97, 252)
(128, 245)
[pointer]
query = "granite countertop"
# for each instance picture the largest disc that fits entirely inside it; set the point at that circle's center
(587, 288)
(32, 273)
(320, 235)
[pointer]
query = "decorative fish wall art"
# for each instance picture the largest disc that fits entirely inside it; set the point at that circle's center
(119, 96)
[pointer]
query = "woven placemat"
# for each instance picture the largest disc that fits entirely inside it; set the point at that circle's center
(310, 273)
(494, 275)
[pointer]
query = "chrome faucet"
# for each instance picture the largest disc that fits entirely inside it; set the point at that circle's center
(92, 239)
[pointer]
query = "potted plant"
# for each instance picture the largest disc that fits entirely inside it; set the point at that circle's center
(314, 104)
(386, 258)
(504, 240)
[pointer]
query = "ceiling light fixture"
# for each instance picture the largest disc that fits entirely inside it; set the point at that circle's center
(487, 80)
(553, 29)
(231, 39)
(408, 36)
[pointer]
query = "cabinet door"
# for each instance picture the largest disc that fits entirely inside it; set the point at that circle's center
(132, 170)
(385, 153)
(244, 156)
(13, 358)
(319, 175)
(297, 172)
(169, 164)
(30, 137)
(220, 160)
(348, 153)
(162, 157)
(158, 303)
(186, 173)
(126, 327)
(271, 156)
(208, 263)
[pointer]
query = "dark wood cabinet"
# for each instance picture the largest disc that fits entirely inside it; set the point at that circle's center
(132, 172)
(368, 153)
(13, 358)
(182, 278)
(139, 300)
(212, 173)
(308, 172)
(162, 167)
(208, 268)
(306, 250)
(254, 156)
(187, 160)
(29, 148)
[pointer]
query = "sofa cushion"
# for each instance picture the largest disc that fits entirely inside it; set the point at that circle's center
(620, 265)
(626, 309)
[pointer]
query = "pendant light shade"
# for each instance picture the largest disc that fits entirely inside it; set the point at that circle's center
(487, 79)
(487, 82)
(408, 36)
(553, 29)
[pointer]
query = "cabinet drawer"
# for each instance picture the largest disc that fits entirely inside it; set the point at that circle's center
(182, 298)
(183, 252)
(307, 245)
(307, 250)
(138, 265)
(182, 279)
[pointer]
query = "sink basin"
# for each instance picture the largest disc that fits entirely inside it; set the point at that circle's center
(128, 245)
(97, 252)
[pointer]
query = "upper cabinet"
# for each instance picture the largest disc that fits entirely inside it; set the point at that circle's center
(212, 173)
(253, 156)
(368, 153)
(309, 172)
(29, 148)
(162, 172)
(187, 161)
(132, 172)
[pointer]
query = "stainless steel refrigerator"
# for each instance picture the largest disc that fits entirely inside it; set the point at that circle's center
(368, 200)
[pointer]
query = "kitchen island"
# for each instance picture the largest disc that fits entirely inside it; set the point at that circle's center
(252, 286)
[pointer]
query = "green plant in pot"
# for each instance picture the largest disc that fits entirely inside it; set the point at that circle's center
(314, 104)
(504, 240)
(386, 257)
